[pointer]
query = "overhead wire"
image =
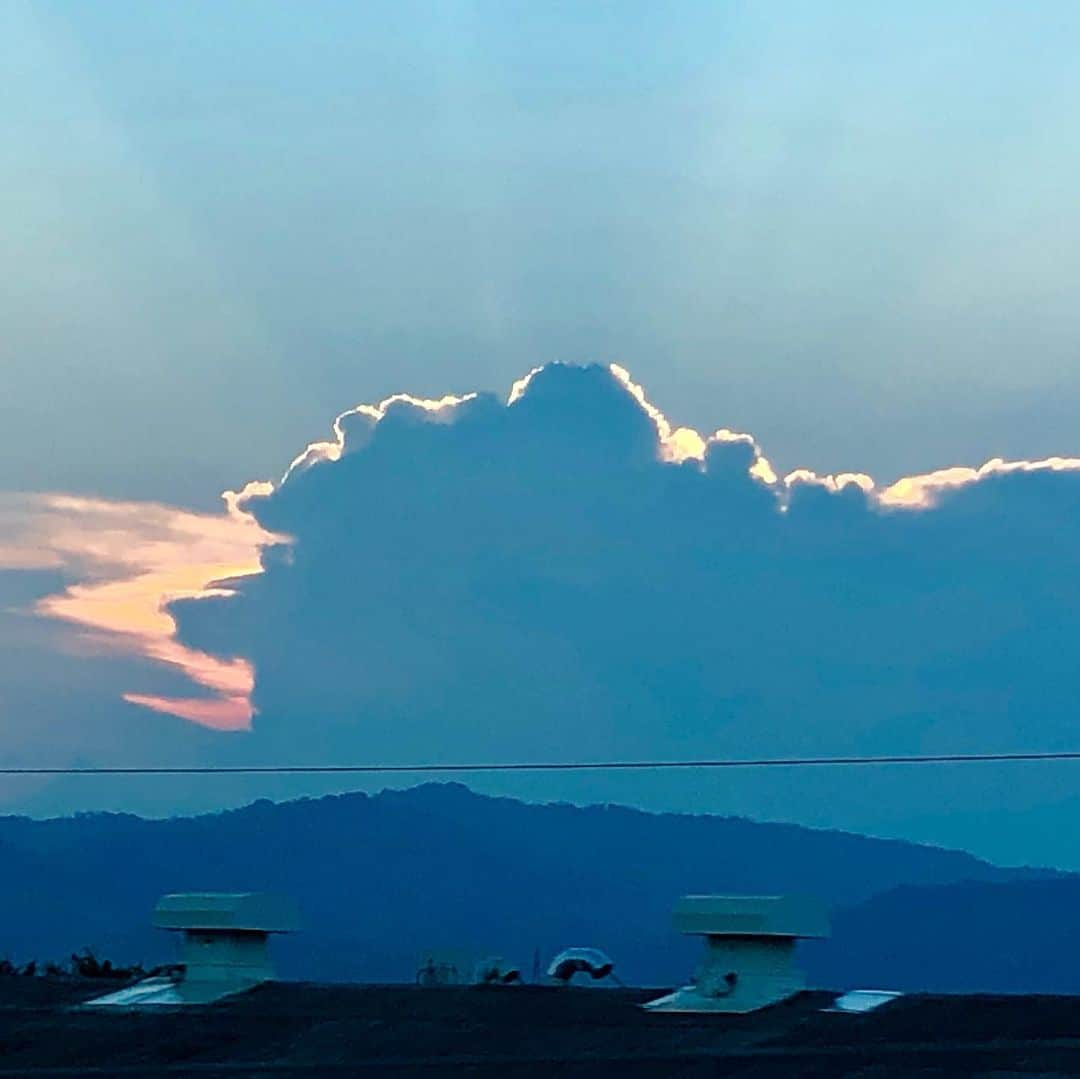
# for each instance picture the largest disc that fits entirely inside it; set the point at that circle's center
(428, 767)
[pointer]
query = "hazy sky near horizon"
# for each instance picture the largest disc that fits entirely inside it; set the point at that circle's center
(849, 228)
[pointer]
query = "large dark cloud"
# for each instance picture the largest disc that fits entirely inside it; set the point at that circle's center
(534, 581)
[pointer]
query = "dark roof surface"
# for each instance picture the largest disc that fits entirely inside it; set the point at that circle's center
(303, 1030)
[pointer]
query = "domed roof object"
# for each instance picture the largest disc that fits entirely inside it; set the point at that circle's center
(573, 961)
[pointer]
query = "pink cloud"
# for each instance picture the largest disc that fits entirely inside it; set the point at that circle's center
(131, 559)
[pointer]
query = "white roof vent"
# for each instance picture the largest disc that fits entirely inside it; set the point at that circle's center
(223, 951)
(749, 950)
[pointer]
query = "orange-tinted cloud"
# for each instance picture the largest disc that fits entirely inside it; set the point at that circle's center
(130, 560)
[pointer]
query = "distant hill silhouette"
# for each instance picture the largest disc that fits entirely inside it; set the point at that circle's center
(973, 936)
(381, 877)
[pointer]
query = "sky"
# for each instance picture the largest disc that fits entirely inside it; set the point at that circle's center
(816, 260)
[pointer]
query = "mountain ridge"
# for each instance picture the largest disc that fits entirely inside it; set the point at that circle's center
(380, 877)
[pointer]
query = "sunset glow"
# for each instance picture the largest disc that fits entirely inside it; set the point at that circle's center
(920, 492)
(132, 559)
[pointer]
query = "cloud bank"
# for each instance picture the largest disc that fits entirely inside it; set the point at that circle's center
(466, 573)
(566, 574)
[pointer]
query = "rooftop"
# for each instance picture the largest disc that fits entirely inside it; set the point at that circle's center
(285, 1029)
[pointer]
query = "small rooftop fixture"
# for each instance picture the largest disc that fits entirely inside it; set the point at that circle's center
(749, 950)
(443, 966)
(573, 961)
(439, 967)
(494, 970)
(224, 948)
(857, 1001)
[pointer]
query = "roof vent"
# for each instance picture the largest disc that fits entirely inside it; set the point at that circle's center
(749, 950)
(224, 948)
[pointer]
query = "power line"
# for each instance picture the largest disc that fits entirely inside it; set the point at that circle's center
(546, 766)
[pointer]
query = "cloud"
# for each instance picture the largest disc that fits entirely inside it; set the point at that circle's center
(355, 424)
(922, 491)
(568, 574)
(353, 429)
(131, 559)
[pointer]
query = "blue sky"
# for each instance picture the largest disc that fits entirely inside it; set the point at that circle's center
(846, 229)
